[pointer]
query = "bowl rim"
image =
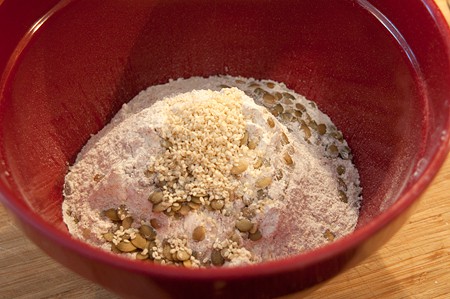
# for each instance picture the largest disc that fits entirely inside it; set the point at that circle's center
(302, 260)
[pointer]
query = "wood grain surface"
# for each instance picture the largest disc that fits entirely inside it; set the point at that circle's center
(414, 264)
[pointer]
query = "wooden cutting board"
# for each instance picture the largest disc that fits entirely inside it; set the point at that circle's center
(414, 264)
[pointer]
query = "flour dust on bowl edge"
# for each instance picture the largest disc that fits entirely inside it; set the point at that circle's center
(73, 70)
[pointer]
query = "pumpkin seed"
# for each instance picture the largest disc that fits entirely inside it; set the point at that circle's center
(127, 221)
(217, 204)
(158, 208)
(126, 246)
(287, 95)
(147, 231)
(337, 135)
(187, 263)
(263, 182)
(287, 101)
(244, 225)
(193, 205)
(176, 207)
(196, 199)
(183, 255)
(340, 169)
(252, 144)
(342, 184)
(269, 100)
(246, 212)
(288, 159)
(156, 197)
(287, 116)
(166, 252)
(141, 257)
(277, 110)
(239, 167)
(298, 113)
(333, 149)
(321, 129)
(224, 86)
(343, 197)
(255, 236)
(234, 237)
(306, 130)
(258, 163)
(114, 249)
(155, 223)
(109, 236)
(244, 139)
(98, 177)
(329, 235)
(284, 139)
(300, 107)
(111, 214)
(199, 233)
(217, 258)
(271, 85)
(313, 125)
(139, 241)
(184, 210)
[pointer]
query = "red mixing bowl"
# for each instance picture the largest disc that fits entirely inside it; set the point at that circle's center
(379, 68)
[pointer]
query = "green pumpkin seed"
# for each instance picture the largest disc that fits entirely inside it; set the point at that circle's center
(147, 231)
(127, 222)
(343, 197)
(199, 233)
(111, 214)
(244, 225)
(217, 258)
(255, 236)
(239, 167)
(126, 246)
(329, 235)
(156, 197)
(139, 241)
(263, 182)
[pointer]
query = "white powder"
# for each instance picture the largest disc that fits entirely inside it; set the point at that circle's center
(307, 204)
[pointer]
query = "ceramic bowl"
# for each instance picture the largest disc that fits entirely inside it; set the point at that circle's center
(379, 68)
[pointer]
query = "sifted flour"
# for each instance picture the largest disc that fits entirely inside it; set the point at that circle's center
(213, 171)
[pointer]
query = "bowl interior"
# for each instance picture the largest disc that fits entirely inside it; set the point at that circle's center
(89, 57)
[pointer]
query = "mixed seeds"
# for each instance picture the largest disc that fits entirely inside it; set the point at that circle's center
(228, 176)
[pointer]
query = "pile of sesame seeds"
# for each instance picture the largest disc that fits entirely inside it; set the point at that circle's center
(202, 141)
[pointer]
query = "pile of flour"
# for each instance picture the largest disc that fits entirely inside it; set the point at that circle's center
(313, 196)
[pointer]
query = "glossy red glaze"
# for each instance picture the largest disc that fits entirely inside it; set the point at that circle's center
(379, 69)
